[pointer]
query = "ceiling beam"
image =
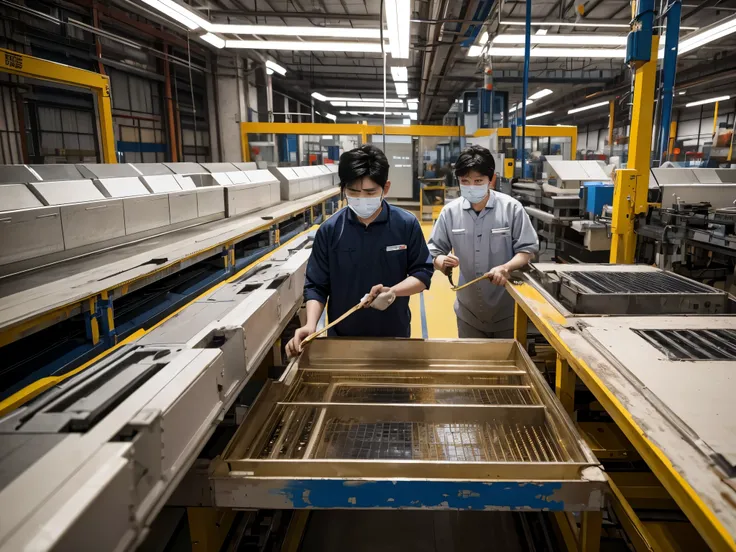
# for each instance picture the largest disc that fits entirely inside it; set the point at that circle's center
(296, 15)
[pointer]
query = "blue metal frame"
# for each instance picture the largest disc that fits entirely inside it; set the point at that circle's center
(669, 70)
(422, 494)
(639, 42)
(527, 54)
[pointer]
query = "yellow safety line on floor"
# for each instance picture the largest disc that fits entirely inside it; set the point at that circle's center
(438, 305)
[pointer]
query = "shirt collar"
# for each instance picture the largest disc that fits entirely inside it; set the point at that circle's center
(489, 204)
(381, 218)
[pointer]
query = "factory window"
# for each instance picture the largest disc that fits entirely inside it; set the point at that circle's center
(60, 133)
(137, 114)
(10, 144)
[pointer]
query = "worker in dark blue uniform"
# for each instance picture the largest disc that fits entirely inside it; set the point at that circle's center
(369, 251)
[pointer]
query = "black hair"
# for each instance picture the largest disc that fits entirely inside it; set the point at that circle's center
(366, 160)
(475, 158)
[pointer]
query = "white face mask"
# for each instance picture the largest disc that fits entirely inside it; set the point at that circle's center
(474, 194)
(364, 207)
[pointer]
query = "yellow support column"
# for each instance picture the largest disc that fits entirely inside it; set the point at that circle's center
(208, 527)
(521, 323)
(590, 531)
(565, 384)
(673, 136)
(623, 239)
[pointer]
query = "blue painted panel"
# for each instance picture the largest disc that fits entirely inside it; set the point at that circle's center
(459, 495)
(142, 147)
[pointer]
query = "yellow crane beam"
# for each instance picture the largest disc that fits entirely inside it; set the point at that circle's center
(31, 67)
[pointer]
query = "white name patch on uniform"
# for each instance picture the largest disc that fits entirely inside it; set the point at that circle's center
(503, 230)
(458, 230)
(401, 247)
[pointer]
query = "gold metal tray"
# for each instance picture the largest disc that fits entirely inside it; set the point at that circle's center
(472, 410)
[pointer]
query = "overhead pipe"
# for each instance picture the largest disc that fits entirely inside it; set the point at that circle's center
(525, 91)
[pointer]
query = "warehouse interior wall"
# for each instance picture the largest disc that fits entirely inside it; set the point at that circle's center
(694, 127)
(172, 99)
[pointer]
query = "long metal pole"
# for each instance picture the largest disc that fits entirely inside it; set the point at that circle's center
(669, 70)
(527, 54)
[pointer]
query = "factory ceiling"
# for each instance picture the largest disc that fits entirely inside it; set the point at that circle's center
(584, 41)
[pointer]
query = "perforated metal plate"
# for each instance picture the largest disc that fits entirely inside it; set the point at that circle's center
(693, 344)
(624, 289)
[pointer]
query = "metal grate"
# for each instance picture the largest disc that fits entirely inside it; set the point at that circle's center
(420, 378)
(478, 442)
(289, 436)
(636, 282)
(693, 344)
(393, 394)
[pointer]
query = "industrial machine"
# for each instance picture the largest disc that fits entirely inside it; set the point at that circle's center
(51, 213)
(656, 350)
(588, 289)
(89, 464)
(691, 227)
(567, 204)
(432, 424)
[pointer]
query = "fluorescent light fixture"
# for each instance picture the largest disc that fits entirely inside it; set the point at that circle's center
(541, 32)
(483, 38)
(537, 115)
(215, 40)
(399, 74)
(389, 101)
(401, 95)
(273, 66)
(269, 71)
(709, 34)
(681, 93)
(518, 106)
(563, 40)
(413, 105)
(387, 113)
(330, 116)
(398, 21)
(294, 46)
(709, 100)
(541, 94)
(603, 53)
(273, 30)
(372, 104)
(186, 19)
(407, 121)
(339, 104)
(401, 87)
(586, 107)
(475, 51)
(413, 116)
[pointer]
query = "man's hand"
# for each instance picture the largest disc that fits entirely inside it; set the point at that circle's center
(372, 294)
(499, 275)
(445, 263)
(294, 346)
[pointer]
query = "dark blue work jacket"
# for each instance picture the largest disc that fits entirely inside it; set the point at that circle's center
(348, 259)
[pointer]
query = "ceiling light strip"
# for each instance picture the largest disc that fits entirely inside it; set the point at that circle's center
(294, 46)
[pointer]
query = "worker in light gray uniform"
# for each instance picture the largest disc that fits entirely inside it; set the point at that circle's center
(490, 233)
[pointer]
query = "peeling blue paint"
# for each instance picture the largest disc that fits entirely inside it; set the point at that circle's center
(456, 495)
